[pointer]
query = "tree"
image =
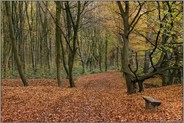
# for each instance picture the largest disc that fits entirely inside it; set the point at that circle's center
(70, 35)
(73, 22)
(128, 28)
(12, 37)
(58, 40)
(6, 45)
(164, 63)
(106, 48)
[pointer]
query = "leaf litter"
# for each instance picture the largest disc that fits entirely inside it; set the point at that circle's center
(98, 97)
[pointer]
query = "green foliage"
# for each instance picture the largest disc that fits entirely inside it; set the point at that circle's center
(94, 71)
(112, 68)
(48, 74)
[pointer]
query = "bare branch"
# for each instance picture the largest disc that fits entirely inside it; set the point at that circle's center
(57, 25)
(133, 26)
(137, 15)
(69, 12)
(121, 9)
(138, 32)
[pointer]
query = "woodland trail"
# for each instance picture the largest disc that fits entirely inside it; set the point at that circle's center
(96, 97)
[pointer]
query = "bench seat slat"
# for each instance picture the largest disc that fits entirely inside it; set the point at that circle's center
(151, 100)
(155, 103)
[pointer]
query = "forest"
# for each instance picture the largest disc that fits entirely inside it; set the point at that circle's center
(89, 61)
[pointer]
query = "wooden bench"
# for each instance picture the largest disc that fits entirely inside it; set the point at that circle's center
(154, 103)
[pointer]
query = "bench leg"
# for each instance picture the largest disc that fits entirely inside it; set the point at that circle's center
(154, 108)
(147, 104)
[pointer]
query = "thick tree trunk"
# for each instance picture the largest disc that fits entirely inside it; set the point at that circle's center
(37, 48)
(70, 70)
(83, 67)
(31, 36)
(7, 48)
(141, 87)
(146, 61)
(45, 39)
(21, 35)
(47, 53)
(128, 28)
(57, 44)
(12, 37)
(125, 54)
(125, 62)
(6, 59)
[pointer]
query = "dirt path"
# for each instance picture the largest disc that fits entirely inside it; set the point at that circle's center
(96, 97)
(103, 81)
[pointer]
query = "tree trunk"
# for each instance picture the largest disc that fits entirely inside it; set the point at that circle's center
(117, 57)
(7, 47)
(31, 36)
(146, 61)
(83, 67)
(106, 49)
(121, 59)
(45, 43)
(58, 46)
(21, 35)
(125, 36)
(100, 60)
(12, 36)
(70, 70)
(125, 62)
(141, 87)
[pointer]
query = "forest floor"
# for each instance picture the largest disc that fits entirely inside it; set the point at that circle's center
(96, 97)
